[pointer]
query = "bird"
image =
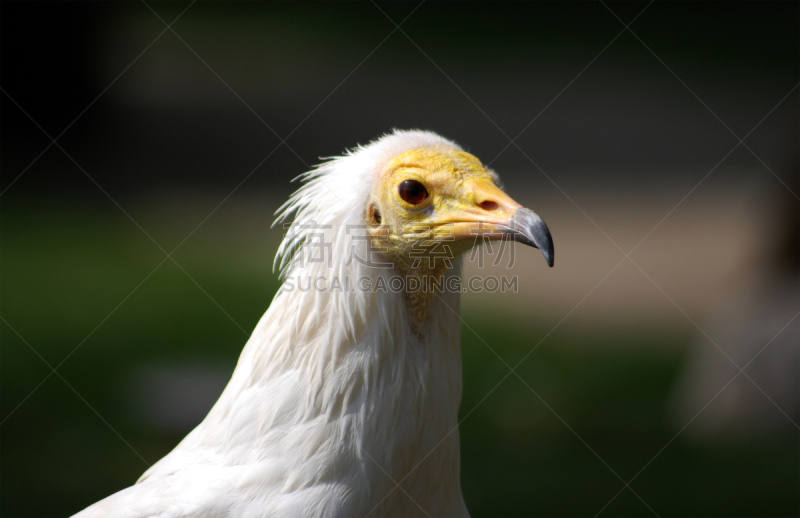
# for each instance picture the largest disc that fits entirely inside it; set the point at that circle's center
(344, 401)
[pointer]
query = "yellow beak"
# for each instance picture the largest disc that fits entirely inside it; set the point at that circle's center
(490, 213)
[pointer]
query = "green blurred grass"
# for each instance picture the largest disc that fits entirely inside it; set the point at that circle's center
(66, 267)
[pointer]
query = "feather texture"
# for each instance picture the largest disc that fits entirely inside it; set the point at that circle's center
(335, 400)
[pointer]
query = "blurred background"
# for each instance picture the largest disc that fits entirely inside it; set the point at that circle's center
(183, 141)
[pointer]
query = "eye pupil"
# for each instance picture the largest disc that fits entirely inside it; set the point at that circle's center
(413, 192)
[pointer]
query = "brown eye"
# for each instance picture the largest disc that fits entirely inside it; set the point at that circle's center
(413, 192)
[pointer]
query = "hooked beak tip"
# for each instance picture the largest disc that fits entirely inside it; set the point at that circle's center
(528, 228)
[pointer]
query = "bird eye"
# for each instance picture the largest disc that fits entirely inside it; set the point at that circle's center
(413, 192)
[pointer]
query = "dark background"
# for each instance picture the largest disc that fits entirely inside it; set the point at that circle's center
(175, 142)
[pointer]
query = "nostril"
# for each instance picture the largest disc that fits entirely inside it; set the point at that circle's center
(489, 205)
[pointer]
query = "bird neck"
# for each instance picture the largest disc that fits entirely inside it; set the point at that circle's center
(322, 322)
(354, 360)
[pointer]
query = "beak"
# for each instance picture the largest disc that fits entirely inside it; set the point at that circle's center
(528, 228)
(493, 214)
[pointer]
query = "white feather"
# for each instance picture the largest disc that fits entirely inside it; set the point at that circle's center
(334, 399)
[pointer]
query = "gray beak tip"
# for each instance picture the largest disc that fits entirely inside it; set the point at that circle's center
(528, 228)
(549, 253)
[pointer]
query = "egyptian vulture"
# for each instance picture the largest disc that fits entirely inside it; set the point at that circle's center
(345, 398)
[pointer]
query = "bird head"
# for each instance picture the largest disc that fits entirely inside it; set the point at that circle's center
(417, 199)
(430, 204)
(421, 200)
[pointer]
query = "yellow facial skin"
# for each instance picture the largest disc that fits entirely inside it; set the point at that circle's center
(463, 203)
(423, 240)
